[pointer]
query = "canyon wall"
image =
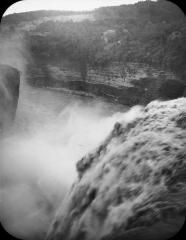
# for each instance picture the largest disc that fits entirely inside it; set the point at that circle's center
(122, 52)
(129, 84)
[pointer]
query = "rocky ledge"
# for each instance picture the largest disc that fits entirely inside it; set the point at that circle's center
(133, 186)
(9, 94)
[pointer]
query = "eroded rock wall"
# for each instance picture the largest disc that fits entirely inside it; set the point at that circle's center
(136, 83)
(9, 94)
(133, 186)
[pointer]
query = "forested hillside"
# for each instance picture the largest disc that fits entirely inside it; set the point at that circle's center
(149, 33)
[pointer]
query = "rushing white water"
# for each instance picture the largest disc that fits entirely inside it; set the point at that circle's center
(52, 131)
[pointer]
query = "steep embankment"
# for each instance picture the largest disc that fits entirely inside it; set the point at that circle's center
(133, 186)
(9, 93)
(130, 53)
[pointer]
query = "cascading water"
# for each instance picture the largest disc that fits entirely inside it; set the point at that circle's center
(52, 131)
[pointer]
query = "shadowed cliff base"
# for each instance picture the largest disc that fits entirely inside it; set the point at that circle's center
(9, 94)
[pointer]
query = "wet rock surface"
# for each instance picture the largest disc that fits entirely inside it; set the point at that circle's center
(133, 186)
(9, 94)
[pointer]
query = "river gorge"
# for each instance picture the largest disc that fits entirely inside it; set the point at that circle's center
(51, 132)
(93, 123)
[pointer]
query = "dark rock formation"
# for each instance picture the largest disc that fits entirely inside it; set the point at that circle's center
(129, 85)
(133, 186)
(172, 89)
(9, 93)
(158, 88)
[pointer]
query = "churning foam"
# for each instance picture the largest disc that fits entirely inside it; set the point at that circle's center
(37, 166)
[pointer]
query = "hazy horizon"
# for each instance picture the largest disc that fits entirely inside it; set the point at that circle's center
(63, 5)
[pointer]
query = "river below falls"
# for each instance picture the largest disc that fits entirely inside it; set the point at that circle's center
(39, 106)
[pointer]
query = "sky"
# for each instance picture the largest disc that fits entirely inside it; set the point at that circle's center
(73, 5)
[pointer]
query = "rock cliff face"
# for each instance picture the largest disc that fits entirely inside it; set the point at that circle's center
(9, 93)
(133, 186)
(129, 85)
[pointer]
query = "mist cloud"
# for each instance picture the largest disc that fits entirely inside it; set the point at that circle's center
(38, 155)
(37, 165)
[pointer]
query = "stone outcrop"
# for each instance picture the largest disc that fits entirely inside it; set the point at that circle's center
(129, 85)
(9, 93)
(133, 186)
